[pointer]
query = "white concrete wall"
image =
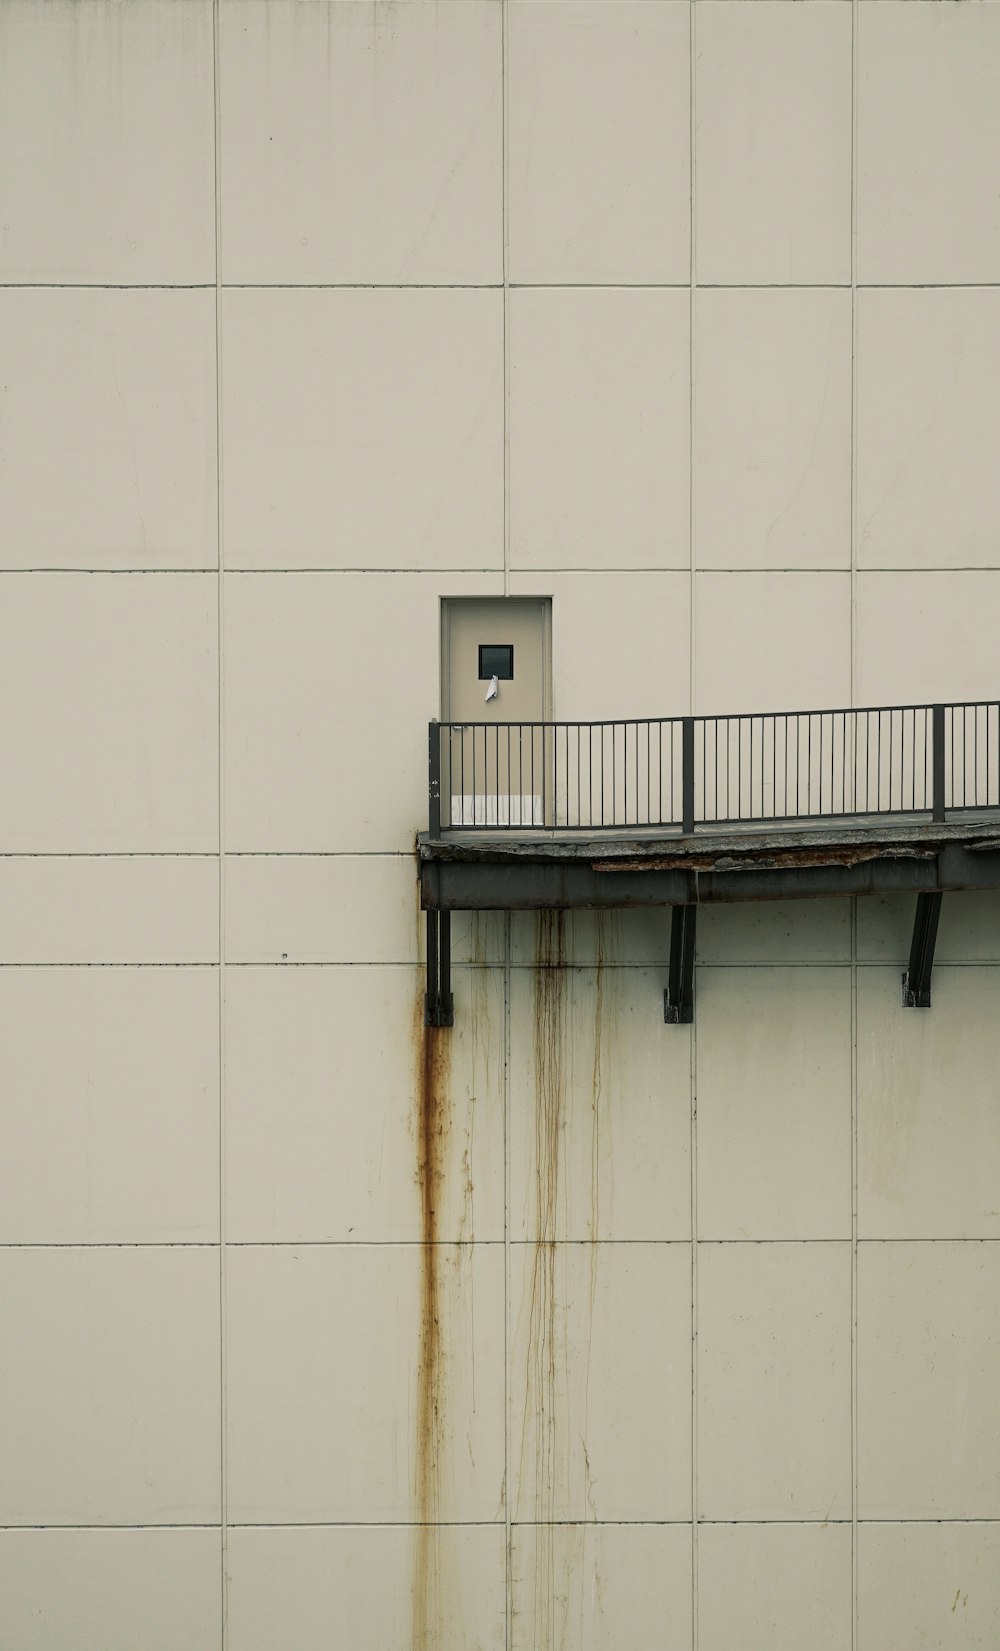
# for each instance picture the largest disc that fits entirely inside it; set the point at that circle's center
(686, 314)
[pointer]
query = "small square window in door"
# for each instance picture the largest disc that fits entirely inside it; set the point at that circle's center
(496, 660)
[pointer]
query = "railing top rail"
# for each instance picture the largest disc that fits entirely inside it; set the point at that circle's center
(731, 716)
(605, 722)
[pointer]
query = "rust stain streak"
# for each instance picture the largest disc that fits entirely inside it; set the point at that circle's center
(433, 1059)
(767, 860)
(596, 1109)
(596, 1083)
(541, 1386)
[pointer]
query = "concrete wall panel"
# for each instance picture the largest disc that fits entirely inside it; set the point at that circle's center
(774, 1381)
(109, 1411)
(361, 147)
(773, 147)
(333, 1413)
(928, 1374)
(923, 637)
(355, 1584)
(772, 439)
(774, 1103)
(109, 429)
(584, 1586)
(106, 1590)
(641, 616)
(325, 1129)
(772, 641)
(363, 429)
(928, 428)
(109, 909)
(937, 1580)
(928, 1108)
(337, 908)
(120, 752)
(112, 1081)
(599, 117)
(600, 1108)
(600, 1390)
(776, 931)
(928, 143)
(599, 429)
(110, 108)
(774, 1587)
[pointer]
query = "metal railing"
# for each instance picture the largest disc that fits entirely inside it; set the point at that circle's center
(653, 773)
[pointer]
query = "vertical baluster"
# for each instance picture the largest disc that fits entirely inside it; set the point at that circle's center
(938, 759)
(855, 741)
(775, 810)
(545, 766)
(821, 721)
(687, 774)
(614, 773)
(798, 766)
(649, 773)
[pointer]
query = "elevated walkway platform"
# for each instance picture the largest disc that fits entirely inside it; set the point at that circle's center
(616, 815)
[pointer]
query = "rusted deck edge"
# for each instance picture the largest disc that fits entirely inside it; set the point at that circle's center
(897, 834)
(536, 873)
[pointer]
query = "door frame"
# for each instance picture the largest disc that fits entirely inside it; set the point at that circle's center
(444, 645)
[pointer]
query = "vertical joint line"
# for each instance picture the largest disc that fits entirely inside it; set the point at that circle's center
(854, 356)
(854, 1273)
(692, 289)
(508, 1489)
(220, 595)
(505, 254)
(692, 661)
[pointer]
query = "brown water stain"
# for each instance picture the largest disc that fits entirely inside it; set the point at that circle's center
(432, 1050)
(603, 1032)
(596, 1086)
(549, 1006)
(574, 1059)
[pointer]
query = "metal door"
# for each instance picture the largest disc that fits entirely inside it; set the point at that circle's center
(495, 694)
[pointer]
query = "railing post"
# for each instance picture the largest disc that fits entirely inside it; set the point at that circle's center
(687, 775)
(937, 760)
(434, 779)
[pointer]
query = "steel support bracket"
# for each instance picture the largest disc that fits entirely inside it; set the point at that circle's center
(917, 979)
(678, 999)
(439, 1005)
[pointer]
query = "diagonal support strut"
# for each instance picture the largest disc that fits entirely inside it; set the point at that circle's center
(917, 979)
(678, 999)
